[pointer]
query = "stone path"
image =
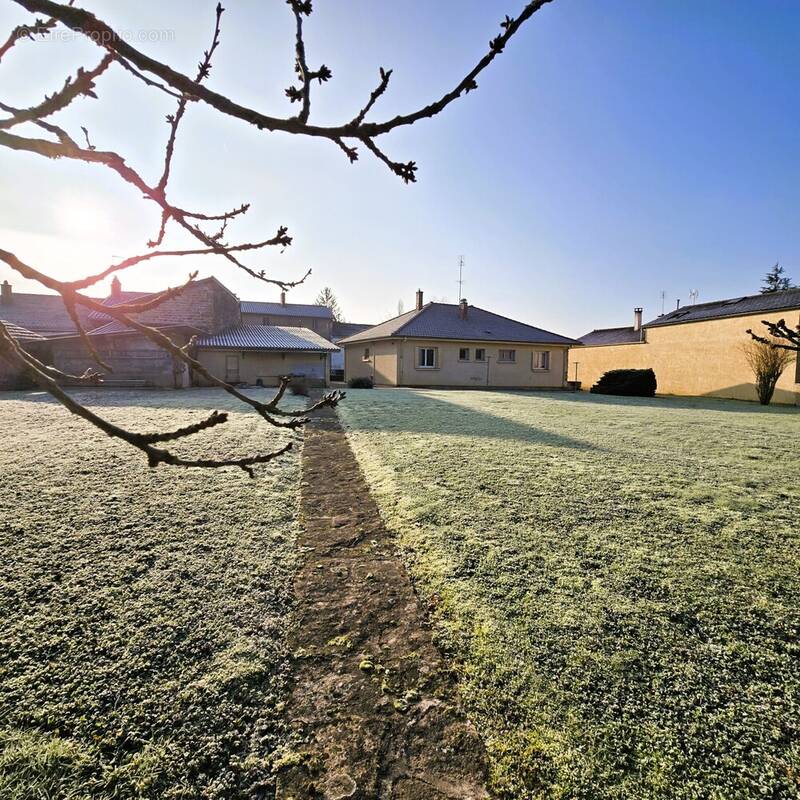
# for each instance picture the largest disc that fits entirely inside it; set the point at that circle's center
(373, 703)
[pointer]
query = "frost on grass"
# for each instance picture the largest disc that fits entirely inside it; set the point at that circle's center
(618, 580)
(142, 650)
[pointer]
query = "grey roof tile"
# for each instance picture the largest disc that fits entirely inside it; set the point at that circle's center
(443, 321)
(267, 337)
(21, 334)
(625, 335)
(286, 309)
(41, 313)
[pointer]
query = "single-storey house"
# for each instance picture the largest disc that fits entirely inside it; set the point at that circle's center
(262, 354)
(342, 330)
(694, 350)
(457, 345)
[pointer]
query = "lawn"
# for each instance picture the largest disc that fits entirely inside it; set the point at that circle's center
(617, 580)
(142, 650)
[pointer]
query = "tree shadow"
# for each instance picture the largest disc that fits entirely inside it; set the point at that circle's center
(703, 402)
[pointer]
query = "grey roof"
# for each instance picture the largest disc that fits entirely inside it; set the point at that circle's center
(115, 300)
(341, 330)
(115, 327)
(45, 314)
(286, 309)
(443, 321)
(267, 337)
(22, 334)
(611, 336)
(734, 307)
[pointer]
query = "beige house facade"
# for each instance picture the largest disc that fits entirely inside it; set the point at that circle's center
(459, 346)
(694, 351)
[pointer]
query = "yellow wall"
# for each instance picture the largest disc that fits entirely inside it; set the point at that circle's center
(394, 363)
(693, 358)
(266, 366)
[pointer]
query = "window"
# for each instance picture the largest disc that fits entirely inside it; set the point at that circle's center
(463, 354)
(540, 359)
(365, 357)
(480, 354)
(507, 356)
(427, 357)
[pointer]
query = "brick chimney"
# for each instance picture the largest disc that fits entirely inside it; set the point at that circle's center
(462, 308)
(283, 298)
(419, 299)
(637, 319)
(5, 294)
(116, 288)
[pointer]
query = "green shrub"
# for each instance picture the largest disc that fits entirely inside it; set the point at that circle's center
(360, 383)
(627, 382)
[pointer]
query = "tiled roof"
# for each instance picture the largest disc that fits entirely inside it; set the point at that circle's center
(341, 330)
(40, 313)
(115, 327)
(115, 300)
(735, 307)
(267, 337)
(443, 321)
(611, 336)
(286, 309)
(22, 334)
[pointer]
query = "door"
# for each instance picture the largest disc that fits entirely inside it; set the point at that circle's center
(232, 369)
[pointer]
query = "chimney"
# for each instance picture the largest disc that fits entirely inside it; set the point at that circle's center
(678, 304)
(419, 299)
(462, 308)
(637, 319)
(116, 288)
(5, 295)
(283, 298)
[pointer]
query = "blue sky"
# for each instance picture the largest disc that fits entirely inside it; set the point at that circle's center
(616, 149)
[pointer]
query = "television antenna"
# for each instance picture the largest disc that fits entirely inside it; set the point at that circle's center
(663, 300)
(460, 277)
(693, 295)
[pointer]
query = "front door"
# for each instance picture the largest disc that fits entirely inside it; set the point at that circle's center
(232, 369)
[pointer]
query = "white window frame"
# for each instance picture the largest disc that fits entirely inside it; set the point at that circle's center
(545, 354)
(512, 360)
(480, 350)
(462, 350)
(365, 356)
(418, 361)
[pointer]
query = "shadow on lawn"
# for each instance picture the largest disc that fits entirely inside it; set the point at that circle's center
(423, 413)
(667, 402)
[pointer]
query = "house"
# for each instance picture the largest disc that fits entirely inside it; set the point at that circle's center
(445, 344)
(292, 315)
(204, 307)
(44, 314)
(694, 350)
(262, 354)
(12, 376)
(342, 330)
(208, 318)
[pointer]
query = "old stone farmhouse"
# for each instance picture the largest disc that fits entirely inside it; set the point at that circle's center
(444, 344)
(233, 343)
(694, 350)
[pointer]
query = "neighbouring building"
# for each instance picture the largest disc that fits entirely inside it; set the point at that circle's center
(204, 307)
(342, 330)
(694, 350)
(229, 341)
(11, 376)
(289, 315)
(262, 354)
(457, 345)
(44, 314)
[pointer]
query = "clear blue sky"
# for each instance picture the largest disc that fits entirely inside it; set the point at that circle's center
(615, 149)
